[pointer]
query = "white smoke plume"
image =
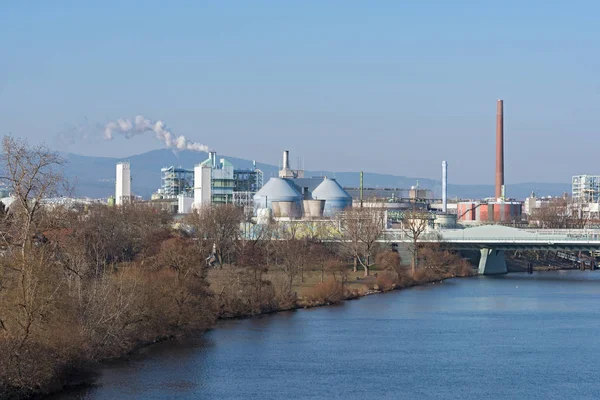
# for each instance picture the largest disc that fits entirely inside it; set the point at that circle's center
(130, 127)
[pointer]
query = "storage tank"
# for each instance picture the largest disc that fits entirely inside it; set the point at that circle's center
(336, 198)
(313, 208)
(276, 209)
(287, 209)
(445, 221)
(277, 190)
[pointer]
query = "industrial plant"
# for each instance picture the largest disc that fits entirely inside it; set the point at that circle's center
(294, 196)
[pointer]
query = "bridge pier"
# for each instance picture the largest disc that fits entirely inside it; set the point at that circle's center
(492, 262)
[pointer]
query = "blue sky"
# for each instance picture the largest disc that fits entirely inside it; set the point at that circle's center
(382, 86)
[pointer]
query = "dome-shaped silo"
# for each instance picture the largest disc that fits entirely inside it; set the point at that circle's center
(336, 198)
(277, 190)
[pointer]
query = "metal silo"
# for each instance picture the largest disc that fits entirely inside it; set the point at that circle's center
(278, 190)
(336, 198)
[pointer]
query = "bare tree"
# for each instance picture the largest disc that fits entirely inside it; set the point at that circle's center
(31, 174)
(390, 260)
(559, 214)
(218, 225)
(359, 230)
(415, 222)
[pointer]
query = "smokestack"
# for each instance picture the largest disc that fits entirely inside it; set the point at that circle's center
(444, 186)
(361, 189)
(286, 159)
(499, 148)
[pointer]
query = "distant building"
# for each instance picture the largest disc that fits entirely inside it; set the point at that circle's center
(220, 183)
(246, 183)
(123, 184)
(533, 203)
(176, 181)
(489, 212)
(294, 196)
(586, 189)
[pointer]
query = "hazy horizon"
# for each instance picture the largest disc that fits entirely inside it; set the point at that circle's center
(391, 88)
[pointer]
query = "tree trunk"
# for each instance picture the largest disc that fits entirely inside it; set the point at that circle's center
(414, 261)
(366, 267)
(355, 264)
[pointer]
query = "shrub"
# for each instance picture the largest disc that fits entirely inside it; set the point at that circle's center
(328, 292)
(386, 281)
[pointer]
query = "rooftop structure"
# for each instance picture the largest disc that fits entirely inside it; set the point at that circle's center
(285, 171)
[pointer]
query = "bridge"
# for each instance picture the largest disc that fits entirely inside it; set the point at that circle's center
(493, 240)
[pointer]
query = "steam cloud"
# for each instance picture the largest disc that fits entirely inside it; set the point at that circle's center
(139, 125)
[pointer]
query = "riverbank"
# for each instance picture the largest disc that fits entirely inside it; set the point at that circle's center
(510, 329)
(355, 287)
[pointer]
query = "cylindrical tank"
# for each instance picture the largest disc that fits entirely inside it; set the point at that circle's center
(445, 221)
(276, 209)
(313, 208)
(276, 189)
(306, 209)
(288, 209)
(336, 198)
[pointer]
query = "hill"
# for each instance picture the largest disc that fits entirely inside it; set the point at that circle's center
(95, 176)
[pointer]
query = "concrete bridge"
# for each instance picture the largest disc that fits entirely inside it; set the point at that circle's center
(493, 240)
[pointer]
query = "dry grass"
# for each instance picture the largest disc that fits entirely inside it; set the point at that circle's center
(218, 278)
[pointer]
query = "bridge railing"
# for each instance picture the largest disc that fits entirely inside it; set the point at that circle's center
(458, 236)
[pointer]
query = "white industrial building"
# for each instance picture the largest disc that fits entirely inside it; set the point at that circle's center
(586, 189)
(123, 184)
(213, 182)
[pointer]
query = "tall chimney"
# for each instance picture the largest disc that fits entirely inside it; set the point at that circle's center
(444, 186)
(499, 148)
(286, 159)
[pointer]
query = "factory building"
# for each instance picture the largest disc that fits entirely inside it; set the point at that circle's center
(123, 184)
(220, 183)
(281, 197)
(335, 197)
(246, 182)
(489, 212)
(213, 182)
(294, 196)
(586, 189)
(175, 181)
(533, 203)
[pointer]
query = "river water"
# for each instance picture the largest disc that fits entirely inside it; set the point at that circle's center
(511, 337)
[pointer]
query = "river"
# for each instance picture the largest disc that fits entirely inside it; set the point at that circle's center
(512, 337)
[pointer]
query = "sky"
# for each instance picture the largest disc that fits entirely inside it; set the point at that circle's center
(381, 86)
